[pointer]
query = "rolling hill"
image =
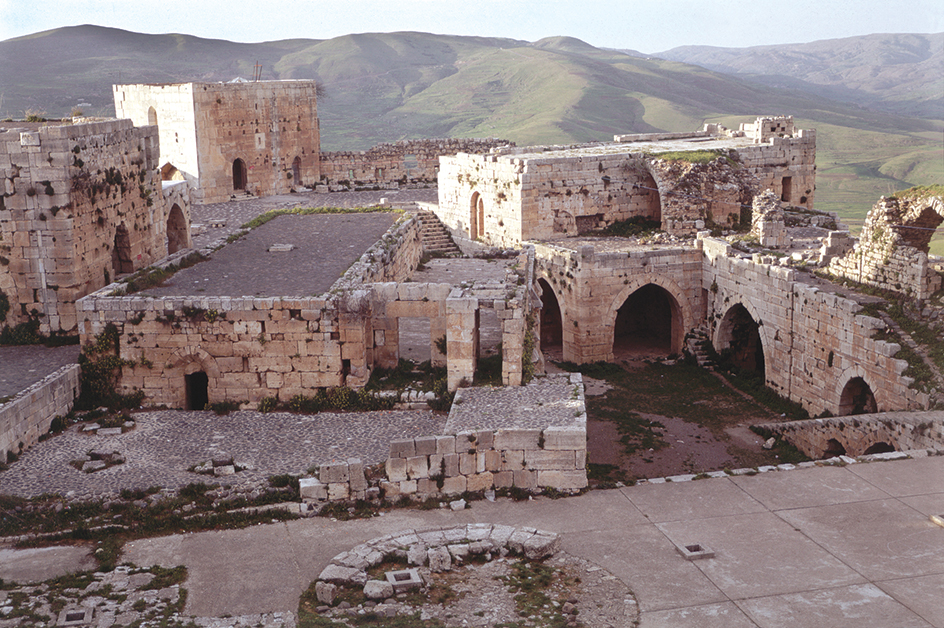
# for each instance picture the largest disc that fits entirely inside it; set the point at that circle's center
(389, 86)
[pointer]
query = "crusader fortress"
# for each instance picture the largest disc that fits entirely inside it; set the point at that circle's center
(725, 265)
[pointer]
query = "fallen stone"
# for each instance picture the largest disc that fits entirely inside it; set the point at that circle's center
(342, 575)
(458, 504)
(325, 592)
(93, 465)
(416, 554)
(541, 545)
(439, 559)
(224, 470)
(109, 431)
(378, 589)
(770, 442)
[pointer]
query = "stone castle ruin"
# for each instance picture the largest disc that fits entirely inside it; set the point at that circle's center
(88, 195)
(80, 205)
(259, 138)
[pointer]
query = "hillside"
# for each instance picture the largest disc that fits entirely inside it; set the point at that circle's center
(390, 86)
(897, 73)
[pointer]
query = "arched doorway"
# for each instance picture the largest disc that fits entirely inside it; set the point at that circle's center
(169, 172)
(879, 448)
(297, 172)
(644, 199)
(552, 328)
(152, 116)
(739, 341)
(197, 387)
(240, 175)
(176, 230)
(648, 323)
(834, 448)
(121, 262)
(857, 398)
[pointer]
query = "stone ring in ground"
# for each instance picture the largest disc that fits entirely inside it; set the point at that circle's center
(472, 575)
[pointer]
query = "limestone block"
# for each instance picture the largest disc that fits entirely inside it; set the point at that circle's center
(467, 464)
(557, 438)
(396, 469)
(338, 574)
(484, 439)
(417, 467)
(465, 442)
(479, 482)
(437, 466)
(390, 489)
(425, 445)
(334, 472)
(526, 479)
(512, 460)
(408, 487)
(426, 486)
(562, 479)
(338, 491)
(451, 462)
(402, 448)
(454, 485)
(439, 559)
(445, 444)
(356, 474)
(517, 439)
(325, 592)
(312, 488)
(377, 590)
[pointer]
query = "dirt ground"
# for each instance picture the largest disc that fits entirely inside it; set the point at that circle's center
(683, 444)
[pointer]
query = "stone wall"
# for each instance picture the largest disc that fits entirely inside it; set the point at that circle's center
(403, 162)
(80, 204)
(267, 129)
(901, 431)
(28, 415)
(591, 281)
(892, 250)
(814, 342)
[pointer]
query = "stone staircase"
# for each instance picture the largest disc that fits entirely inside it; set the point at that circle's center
(695, 343)
(436, 238)
(241, 196)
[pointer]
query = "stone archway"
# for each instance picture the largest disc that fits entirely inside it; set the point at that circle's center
(196, 387)
(169, 172)
(200, 374)
(476, 216)
(297, 172)
(857, 398)
(552, 327)
(152, 116)
(240, 175)
(177, 231)
(648, 322)
(738, 341)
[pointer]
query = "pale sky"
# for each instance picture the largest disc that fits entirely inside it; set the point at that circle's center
(649, 26)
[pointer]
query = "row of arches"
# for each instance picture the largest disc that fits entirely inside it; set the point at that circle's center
(122, 259)
(650, 322)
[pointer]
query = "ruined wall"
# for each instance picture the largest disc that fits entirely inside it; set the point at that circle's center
(892, 250)
(80, 205)
(591, 285)
(207, 127)
(29, 414)
(786, 165)
(407, 161)
(902, 431)
(813, 342)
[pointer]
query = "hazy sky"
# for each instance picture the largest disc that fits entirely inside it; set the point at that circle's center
(649, 26)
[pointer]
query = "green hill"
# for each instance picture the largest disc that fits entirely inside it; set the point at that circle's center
(389, 86)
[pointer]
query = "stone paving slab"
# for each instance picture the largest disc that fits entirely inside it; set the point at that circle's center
(324, 246)
(165, 444)
(23, 366)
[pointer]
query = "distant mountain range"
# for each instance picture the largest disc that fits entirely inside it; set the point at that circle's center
(866, 96)
(898, 73)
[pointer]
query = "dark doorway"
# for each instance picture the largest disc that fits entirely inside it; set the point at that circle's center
(240, 175)
(786, 189)
(879, 448)
(739, 341)
(476, 217)
(857, 398)
(121, 262)
(834, 448)
(197, 385)
(297, 172)
(176, 230)
(552, 328)
(649, 322)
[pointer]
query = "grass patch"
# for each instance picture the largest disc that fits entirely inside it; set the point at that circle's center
(629, 228)
(262, 219)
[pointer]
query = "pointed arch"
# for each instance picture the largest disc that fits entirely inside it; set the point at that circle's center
(682, 309)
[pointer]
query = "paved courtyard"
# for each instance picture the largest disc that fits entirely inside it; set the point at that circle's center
(22, 366)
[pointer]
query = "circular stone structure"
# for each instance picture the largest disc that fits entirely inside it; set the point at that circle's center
(477, 564)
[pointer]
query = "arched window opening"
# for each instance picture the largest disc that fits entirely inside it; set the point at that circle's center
(474, 232)
(297, 172)
(648, 323)
(169, 172)
(197, 390)
(176, 230)
(739, 342)
(857, 398)
(152, 116)
(834, 448)
(121, 262)
(240, 175)
(552, 328)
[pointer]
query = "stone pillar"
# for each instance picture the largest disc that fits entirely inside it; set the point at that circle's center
(462, 339)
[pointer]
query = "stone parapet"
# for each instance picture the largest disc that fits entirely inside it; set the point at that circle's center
(28, 415)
